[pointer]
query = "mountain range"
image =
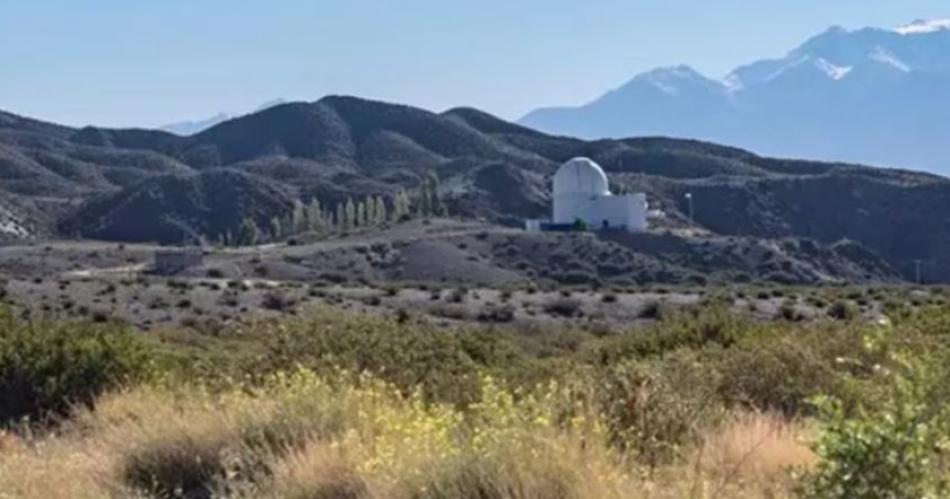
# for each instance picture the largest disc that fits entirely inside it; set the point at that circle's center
(872, 96)
(147, 185)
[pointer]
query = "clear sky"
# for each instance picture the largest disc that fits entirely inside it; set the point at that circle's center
(150, 62)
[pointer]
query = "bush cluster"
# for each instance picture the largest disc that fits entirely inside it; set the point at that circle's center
(46, 368)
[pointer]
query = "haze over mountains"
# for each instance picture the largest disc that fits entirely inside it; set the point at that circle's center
(870, 96)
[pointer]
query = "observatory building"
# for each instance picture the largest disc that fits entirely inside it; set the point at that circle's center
(582, 193)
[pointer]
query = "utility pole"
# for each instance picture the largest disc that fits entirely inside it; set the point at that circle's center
(917, 264)
(689, 199)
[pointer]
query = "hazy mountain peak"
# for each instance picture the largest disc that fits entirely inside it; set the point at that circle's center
(674, 80)
(924, 26)
(191, 127)
(678, 72)
(867, 95)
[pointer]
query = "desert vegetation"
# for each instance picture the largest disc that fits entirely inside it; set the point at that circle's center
(706, 402)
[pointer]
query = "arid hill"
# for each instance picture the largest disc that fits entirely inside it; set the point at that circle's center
(142, 185)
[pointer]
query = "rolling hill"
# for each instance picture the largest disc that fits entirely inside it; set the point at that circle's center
(142, 185)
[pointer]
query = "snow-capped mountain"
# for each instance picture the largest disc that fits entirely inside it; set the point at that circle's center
(924, 26)
(879, 96)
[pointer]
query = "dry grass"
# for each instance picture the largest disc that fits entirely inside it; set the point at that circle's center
(302, 436)
(756, 444)
(756, 453)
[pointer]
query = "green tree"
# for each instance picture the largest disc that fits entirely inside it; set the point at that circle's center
(370, 204)
(361, 214)
(276, 228)
(298, 218)
(341, 215)
(397, 207)
(248, 233)
(380, 211)
(315, 219)
(350, 214)
(436, 203)
(425, 198)
(401, 206)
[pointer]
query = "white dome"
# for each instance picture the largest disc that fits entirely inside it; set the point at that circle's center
(581, 176)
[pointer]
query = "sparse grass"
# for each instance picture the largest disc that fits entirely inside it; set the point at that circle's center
(303, 436)
(702, 403)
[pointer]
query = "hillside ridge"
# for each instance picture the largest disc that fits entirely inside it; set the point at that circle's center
(96, 182)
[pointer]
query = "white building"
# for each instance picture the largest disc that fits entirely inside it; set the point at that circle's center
(581, 192)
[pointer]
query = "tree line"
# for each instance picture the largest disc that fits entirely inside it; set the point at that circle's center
(313, 216)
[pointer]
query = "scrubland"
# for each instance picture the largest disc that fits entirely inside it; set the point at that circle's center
(337, 404)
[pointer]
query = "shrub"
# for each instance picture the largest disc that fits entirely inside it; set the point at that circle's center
(842, 311)
(458, 295)
(496, 313)
(716, 326)
(897, 449)
(277, 301)
(372, 301)
(652, 310)
(790, 313)
(657, 407)
(409, 354)
(47, 367)
(450, 311)
(609, 298)
(564, 307)
(780, 373)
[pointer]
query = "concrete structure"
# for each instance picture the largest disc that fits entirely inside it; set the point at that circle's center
(168, 262)
(582, 192)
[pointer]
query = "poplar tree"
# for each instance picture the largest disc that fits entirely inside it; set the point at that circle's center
(370, 204)
(298, 217)
(380, 211)
(340, 215)
(425, 198)
(438, 205)
(361, 214)
(314, 215)
(350, 213)
(276, 227)
(400, 206)
(248, 233)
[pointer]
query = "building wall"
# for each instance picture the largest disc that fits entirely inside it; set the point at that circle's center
(628, 211)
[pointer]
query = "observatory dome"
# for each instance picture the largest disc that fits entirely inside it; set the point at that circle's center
(581, 176)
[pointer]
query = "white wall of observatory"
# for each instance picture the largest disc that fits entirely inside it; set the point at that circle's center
(598, 212)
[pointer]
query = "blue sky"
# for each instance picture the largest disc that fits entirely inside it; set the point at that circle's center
(150, 62)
